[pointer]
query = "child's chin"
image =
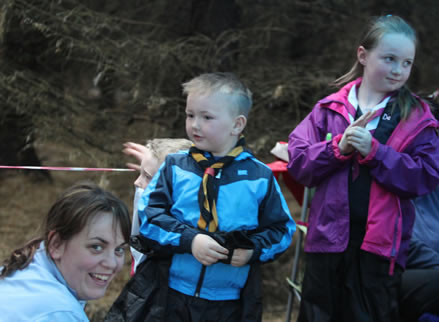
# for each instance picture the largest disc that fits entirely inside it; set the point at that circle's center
(201, 146)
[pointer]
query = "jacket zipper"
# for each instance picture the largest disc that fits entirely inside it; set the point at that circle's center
(393, 253)
(200, 281)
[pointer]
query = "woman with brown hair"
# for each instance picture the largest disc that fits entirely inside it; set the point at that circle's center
(80, 250)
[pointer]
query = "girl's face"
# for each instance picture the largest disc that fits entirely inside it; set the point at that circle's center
(91, 259)
(387, 67)
(148, 168)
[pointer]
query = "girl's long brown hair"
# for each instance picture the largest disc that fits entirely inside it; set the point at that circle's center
(377, 28)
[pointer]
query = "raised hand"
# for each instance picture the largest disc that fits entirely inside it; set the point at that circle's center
(207, 251)
(136, 150)
(360, 140)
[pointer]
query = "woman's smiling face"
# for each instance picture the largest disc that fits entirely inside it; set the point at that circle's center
(91, 259)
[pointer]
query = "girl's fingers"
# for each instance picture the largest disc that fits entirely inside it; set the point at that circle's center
(369, 116)
(134, 145)
(364, 119)
(133, 166)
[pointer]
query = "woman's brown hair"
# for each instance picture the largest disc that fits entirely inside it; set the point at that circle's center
(68, 216)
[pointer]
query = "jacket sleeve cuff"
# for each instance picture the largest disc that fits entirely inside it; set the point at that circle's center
(255, 255)
(336, 149)
(371, 154)
(186, 240)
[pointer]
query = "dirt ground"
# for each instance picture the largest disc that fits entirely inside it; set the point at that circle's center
(25, 197)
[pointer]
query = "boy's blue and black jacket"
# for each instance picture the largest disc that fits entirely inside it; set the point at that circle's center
(249, 199)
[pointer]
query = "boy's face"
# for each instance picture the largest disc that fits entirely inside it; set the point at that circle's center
(210, 123)
(149, 166)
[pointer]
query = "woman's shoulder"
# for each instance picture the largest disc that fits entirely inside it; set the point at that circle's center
(36, 292)
(37, 300)
(65, 316)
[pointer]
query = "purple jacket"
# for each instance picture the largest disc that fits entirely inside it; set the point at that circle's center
(406, 167)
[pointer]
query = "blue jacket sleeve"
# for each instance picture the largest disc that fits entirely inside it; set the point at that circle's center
(424, 244)
(276, 227)
(421, 256)
(163, 232)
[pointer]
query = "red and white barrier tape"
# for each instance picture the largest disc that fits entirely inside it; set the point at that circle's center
(62, 168)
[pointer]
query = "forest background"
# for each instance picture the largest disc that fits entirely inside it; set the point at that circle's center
(80, 77)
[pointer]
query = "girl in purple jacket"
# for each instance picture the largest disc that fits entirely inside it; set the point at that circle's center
(367, 149)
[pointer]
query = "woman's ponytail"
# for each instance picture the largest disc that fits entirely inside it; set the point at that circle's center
(20, 258)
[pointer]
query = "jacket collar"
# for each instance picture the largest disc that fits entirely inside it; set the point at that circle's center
(346, 102)
(343, 106)
(407, 130)
(45, 261)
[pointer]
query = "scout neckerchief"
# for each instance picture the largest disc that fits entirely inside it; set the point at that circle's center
(208, 192)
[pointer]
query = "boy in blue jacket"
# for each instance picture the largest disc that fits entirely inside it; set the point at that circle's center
(215, 208)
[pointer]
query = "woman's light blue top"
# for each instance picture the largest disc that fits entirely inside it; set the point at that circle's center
(39, 293)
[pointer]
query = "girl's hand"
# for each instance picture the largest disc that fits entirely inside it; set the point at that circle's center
(344, 145)
(360, 139)
(136, 150)
(207, 251)
(241, 256)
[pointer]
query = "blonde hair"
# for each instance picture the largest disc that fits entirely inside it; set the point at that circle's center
(226, 83)
(160, 148)
(377, 29)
